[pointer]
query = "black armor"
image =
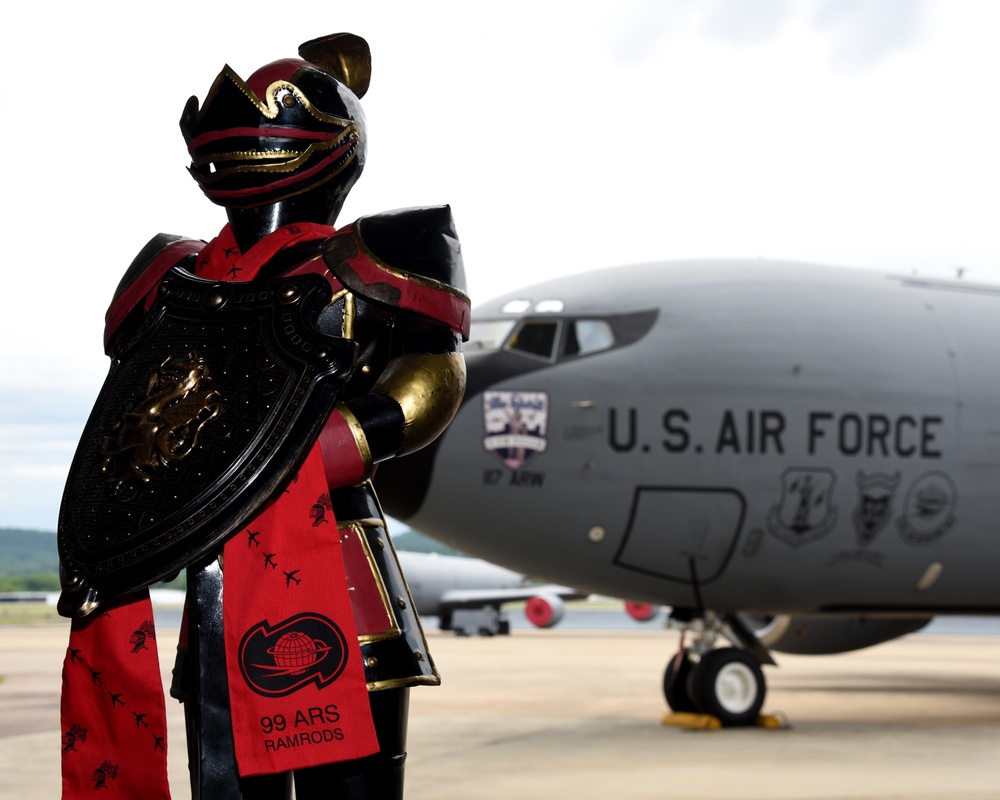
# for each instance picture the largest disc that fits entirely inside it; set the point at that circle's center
(383, 314)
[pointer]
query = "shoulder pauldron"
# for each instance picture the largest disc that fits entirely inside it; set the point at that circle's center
(409, 259)
(138, 284)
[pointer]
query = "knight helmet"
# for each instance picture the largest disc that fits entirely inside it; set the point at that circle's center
(294, 125)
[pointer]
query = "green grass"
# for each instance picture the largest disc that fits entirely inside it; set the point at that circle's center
(26, 613)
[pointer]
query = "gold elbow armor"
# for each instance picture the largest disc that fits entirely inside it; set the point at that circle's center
(429, 390)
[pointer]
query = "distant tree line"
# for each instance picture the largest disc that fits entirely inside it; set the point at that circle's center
(29, 560)
(34, 582)
(49, 582)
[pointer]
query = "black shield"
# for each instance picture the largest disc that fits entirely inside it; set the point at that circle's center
(209, 409)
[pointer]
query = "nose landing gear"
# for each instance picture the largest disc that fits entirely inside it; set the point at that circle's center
(726, 683)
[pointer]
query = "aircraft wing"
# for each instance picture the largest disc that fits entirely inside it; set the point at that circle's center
(477, 598)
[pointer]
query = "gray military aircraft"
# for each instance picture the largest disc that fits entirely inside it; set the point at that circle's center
(467, 595)
(811, 449)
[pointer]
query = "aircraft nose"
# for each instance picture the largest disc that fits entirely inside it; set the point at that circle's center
(403, 483)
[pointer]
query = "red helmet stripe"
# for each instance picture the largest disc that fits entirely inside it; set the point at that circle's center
(259, 133)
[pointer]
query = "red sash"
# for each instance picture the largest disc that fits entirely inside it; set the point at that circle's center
(297, 688)
(114, 723)
(221, 259)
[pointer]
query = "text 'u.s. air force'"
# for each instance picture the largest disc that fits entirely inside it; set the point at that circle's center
(770, 432)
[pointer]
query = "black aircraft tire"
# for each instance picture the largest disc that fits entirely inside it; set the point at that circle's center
(675, 683)
(728, 684)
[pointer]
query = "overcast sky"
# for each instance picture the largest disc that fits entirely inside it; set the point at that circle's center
(566, 137)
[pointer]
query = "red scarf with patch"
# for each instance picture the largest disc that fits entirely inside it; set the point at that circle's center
(296, 682)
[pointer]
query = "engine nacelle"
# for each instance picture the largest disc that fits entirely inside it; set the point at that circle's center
(544, 610)
(814, 636)
(641, 612)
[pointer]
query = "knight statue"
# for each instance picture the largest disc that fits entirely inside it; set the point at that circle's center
(256, 381)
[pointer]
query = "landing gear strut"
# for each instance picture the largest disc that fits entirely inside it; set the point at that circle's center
(727, 682)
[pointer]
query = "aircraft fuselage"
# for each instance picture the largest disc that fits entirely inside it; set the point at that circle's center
(757, 436)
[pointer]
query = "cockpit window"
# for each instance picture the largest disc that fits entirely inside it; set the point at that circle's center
(489, 334)
(536, 338)
(547, 340)
(542, 338)
(515, 306)
(584, 336)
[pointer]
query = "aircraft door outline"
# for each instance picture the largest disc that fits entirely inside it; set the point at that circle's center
(685, 534)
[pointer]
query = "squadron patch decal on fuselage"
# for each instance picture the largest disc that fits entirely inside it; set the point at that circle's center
(805, 511)
(515, 426)
(876, 491)
(876, 495)
(929, 508)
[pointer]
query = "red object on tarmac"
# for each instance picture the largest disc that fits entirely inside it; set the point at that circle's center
(544, 612)
(643, 612)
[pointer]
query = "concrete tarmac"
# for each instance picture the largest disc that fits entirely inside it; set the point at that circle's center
(576, 714)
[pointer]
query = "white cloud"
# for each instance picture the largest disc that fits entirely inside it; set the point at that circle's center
(861, 33)
(738, 23)
(857, 34)
(34, 461)
(862, 133)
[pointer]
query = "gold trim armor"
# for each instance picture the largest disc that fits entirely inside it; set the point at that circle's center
(357, 528)
(359, 438)
(429, 283)
(429, 390)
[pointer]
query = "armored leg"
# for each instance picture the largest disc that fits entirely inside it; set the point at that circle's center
(211, 757)
(378, 777)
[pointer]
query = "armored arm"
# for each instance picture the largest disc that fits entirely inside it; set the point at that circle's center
(409, 406)
(404, 270)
